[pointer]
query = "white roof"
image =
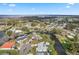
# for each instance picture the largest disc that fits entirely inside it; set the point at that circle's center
(41, 47)
(47, 43)
(70, 36)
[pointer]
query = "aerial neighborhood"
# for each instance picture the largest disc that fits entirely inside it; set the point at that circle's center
(39, 35)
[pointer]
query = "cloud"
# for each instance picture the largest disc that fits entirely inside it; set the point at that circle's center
(71, 3)
(68, 6)
(11, 5)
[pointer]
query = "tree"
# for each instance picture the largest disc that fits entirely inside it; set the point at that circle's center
(73, 45)
(56, 31)
(9, 33)
(34, 23)
(25, 29)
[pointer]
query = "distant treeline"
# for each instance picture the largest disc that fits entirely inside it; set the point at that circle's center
(51, 18)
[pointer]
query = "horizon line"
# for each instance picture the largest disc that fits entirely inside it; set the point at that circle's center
(39, 15)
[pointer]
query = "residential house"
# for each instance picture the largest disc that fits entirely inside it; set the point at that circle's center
(24, 49)
(42, 48)
(8, 45)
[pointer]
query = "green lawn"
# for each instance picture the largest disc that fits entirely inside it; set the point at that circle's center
(11, 52)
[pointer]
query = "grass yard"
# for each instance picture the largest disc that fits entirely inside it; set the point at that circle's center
(10, 52)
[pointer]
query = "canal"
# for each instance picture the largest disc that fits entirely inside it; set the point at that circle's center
(58, 46)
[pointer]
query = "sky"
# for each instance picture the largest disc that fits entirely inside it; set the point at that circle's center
(39, 9)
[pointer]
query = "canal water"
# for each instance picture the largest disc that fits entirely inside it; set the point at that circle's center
(3, 38)
(2, 34)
